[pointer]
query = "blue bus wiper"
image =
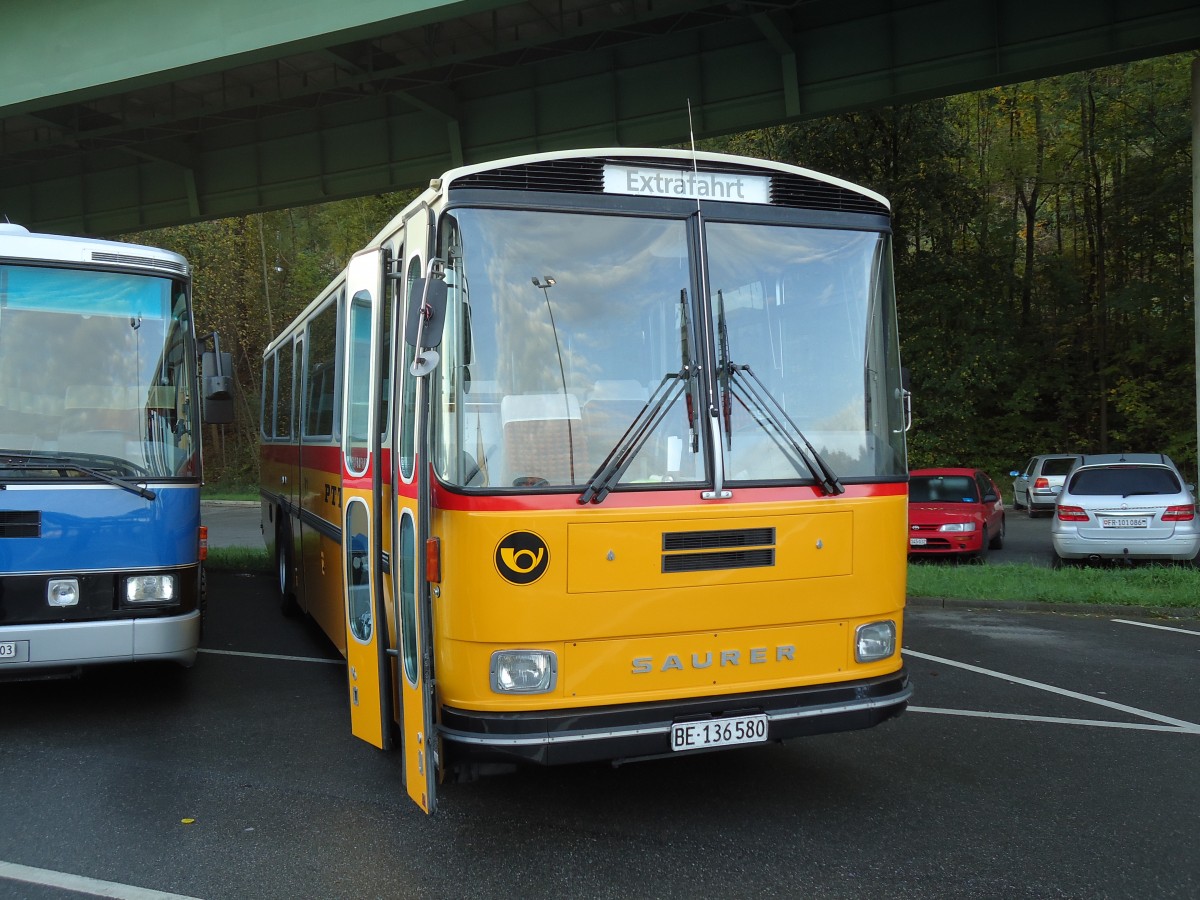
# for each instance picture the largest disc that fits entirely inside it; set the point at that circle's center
(34, 461)
(775, 421)
(639, 430)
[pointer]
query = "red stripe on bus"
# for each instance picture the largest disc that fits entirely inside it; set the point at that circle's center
(445, 499)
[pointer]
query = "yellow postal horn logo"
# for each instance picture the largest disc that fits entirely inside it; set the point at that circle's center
(522, 557)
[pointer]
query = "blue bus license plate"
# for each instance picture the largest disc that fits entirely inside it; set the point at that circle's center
(719, 732)
(14, 651)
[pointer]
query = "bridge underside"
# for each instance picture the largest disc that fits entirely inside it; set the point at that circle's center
(168, 116)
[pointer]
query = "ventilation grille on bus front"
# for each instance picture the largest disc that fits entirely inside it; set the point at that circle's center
(801, 192)
(586, 176)
(20, 523)
(129, 259)
(739, 548)
(572, 176)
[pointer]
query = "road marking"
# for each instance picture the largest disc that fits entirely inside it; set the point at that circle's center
(1159, 627)
(81, 885)
(1053, 720)
(310, 659)
(1062, 692)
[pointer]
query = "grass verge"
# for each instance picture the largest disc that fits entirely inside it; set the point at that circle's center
(239, 559)
(1152, 587)
(228, 491)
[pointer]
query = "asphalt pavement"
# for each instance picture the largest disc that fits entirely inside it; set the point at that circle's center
(233, 523)
(1045, 755)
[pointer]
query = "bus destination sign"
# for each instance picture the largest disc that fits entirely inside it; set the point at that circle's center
(645, 182)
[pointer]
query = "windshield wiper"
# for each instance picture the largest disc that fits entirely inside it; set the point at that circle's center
(639, 430)
(644, 423)
(767, 411)
(774, 420)
(36, 461)
(685, 366)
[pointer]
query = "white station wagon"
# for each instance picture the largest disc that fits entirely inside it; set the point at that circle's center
(1131, 506)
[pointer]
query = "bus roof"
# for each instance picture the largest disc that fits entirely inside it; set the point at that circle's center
(642, 154)
(18, 244)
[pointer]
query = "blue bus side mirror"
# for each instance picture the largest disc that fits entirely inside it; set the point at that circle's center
(217, 384)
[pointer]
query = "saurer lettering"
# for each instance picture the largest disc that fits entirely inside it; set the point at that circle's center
(643, 665)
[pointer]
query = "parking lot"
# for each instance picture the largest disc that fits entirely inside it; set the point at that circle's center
(1026, 540)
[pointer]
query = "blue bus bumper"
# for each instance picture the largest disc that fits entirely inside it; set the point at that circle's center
(60, 645)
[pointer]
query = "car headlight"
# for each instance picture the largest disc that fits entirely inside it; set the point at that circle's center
(150, 589)
(875, 641)
(524, 671)
(958, 526)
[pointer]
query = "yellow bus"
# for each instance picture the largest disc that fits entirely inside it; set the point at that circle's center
(600, 455)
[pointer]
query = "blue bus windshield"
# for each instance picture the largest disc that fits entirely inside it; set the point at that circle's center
(83, 292)
(97, 366)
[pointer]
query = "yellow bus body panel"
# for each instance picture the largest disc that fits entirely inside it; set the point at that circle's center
(626, 631)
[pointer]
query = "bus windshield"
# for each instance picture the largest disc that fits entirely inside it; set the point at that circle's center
(96, 374)
(804, 317)
(576, 348)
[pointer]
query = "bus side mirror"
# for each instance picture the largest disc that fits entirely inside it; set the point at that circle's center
(426, 300)
(426, 318)
(217, 384)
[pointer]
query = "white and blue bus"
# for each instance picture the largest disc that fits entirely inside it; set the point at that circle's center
(101, 546)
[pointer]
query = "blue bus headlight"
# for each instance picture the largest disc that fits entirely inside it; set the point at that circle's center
(875, 641)
(150, 589)
(524, 671)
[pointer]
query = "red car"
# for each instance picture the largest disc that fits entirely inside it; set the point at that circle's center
(954, 512)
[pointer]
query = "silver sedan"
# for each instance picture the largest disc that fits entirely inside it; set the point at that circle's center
(1130, 507)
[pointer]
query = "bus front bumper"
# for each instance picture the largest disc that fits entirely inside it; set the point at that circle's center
(60, 645)
(643, 730)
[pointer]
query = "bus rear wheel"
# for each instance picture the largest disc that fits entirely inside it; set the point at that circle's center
(283, 568)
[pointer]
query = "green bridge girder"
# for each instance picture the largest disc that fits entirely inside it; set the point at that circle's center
(174, 111)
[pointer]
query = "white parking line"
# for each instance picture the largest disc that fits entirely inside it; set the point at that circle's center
(81, 885)
(1062, 692)
(1052, 720)
(311, 659)
(1159, 627)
